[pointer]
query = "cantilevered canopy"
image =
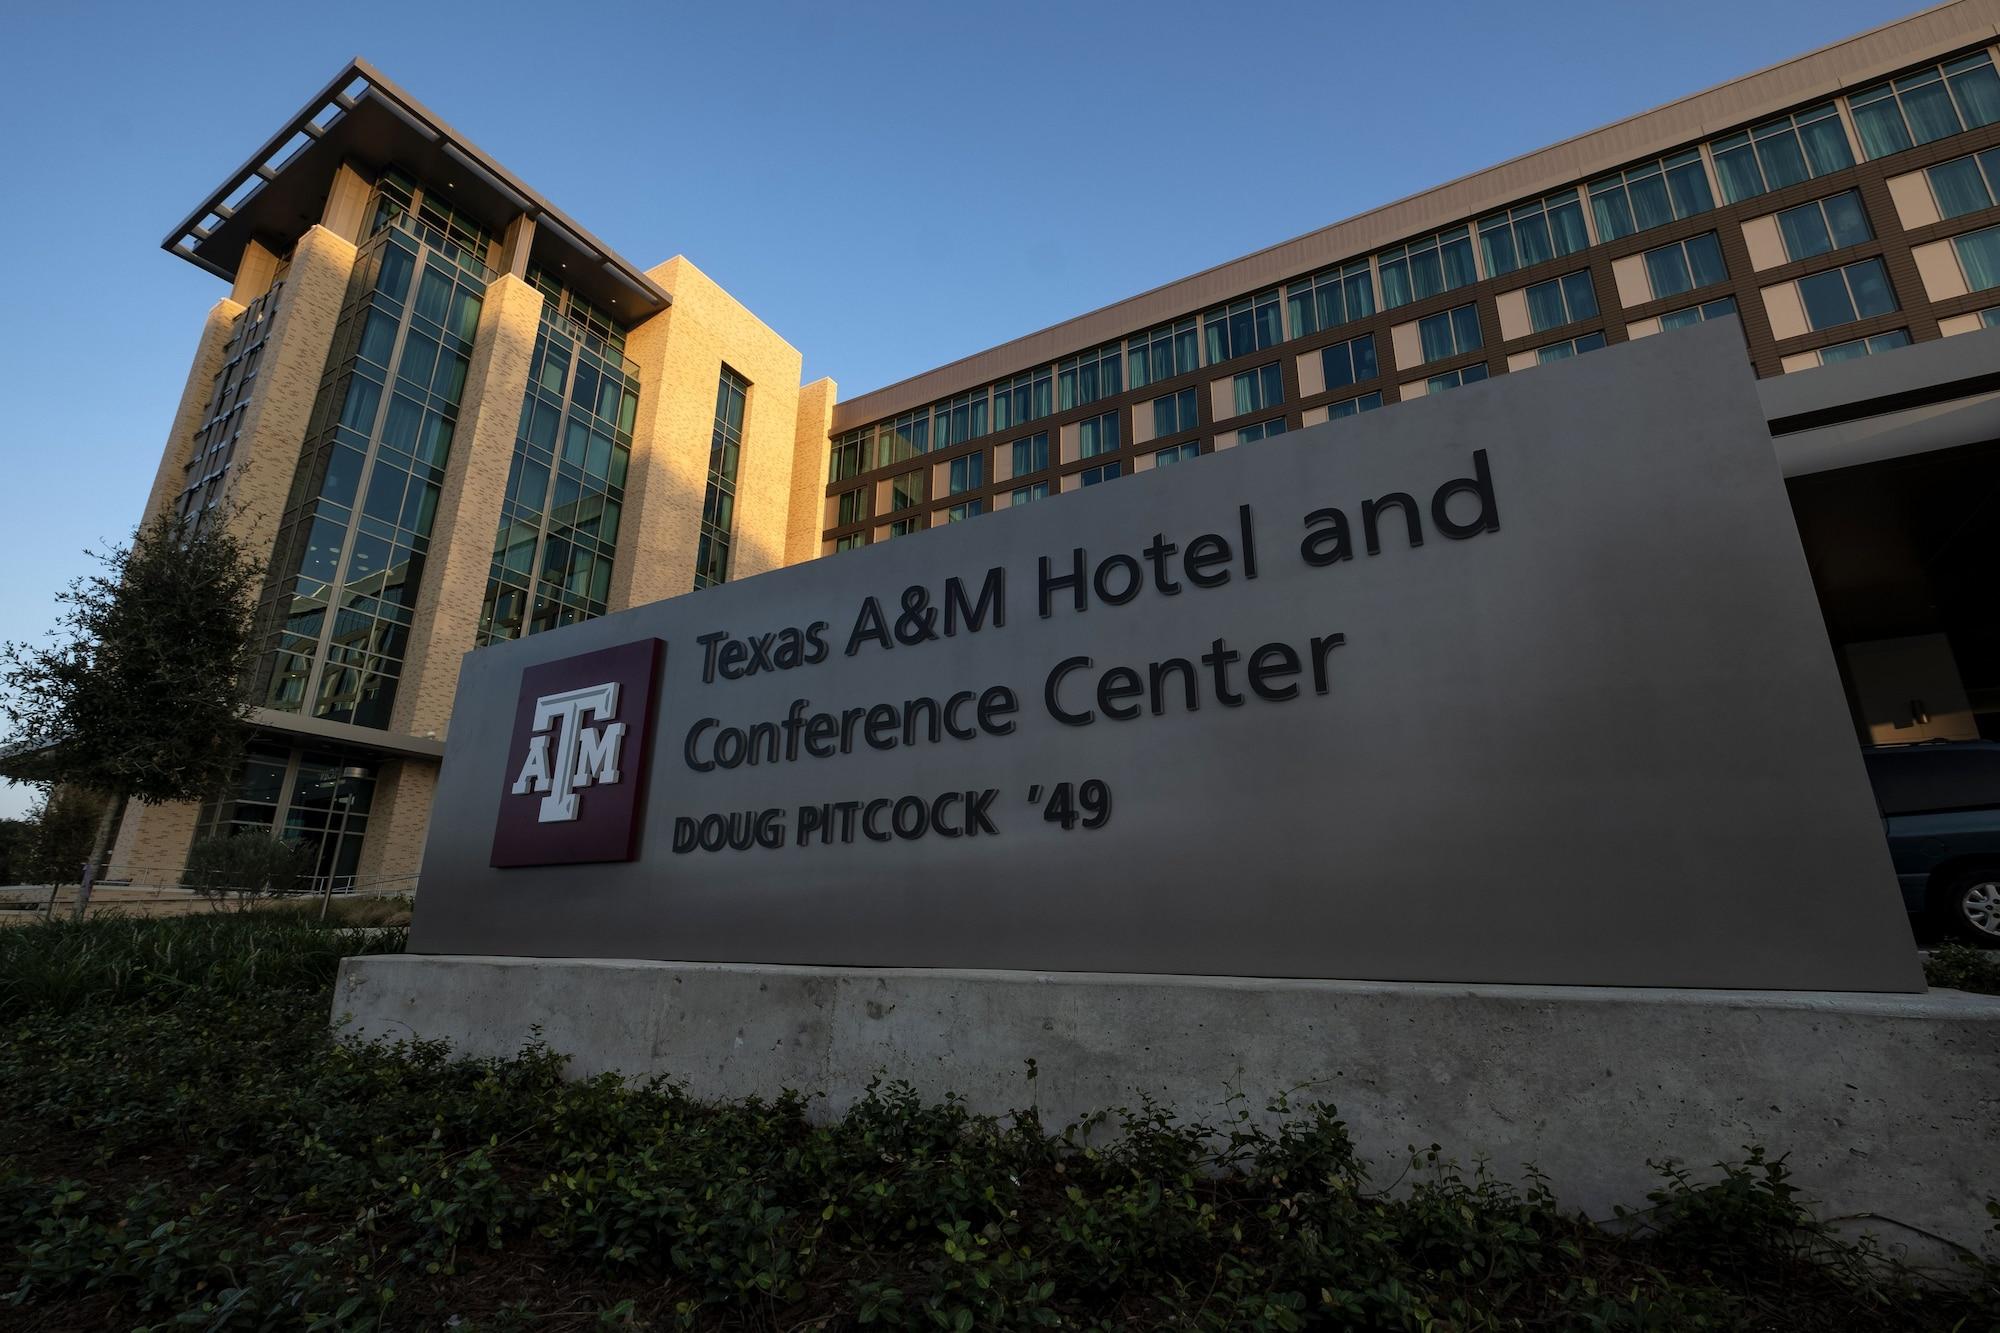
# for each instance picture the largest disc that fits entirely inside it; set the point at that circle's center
(363, 118)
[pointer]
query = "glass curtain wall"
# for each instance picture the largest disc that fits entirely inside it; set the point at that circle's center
(356, 530)
(559, 520)
(320, 799)
(235, 385)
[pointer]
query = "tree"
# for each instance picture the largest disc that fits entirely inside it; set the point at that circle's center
(14, 836)
(140, 691)
(63, 835)
(248, 864)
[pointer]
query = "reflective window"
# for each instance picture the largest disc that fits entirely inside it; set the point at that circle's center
(1350, 362)
(1843, 295)
(1651, 195)
(1824, 225)
(1090, 476)
(849, 542)
(1427, 268)
(1695, 314)
(907, 491)
(1331, 298)
(1024, 398)
(1926, 106)
(1562, 351)
(851, 507)
(1170, 350)
(965, 474)
(1979, 258)
(1031, 454)
(1348, 407)
(1242, 327)
(1027, 494)
(1781, 152)
(1561, 301)
(1453, 379)
(958, 513)
(851, 453)
(1685, 265)
(959, 419)
(718, 504)
(1258, 389)
(1098, 435)
(1090, 376)
(1263, 430)
(1178, 453)
(1175, 413)
(904, 438)
(1967, 184)
(1533, 233)
(1449, 332)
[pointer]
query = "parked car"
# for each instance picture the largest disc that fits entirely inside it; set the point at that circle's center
(1940, 807)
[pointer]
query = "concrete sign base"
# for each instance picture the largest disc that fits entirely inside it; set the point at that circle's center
(1883, 1101)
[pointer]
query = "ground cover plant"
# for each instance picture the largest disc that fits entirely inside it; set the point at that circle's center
(185, 1147)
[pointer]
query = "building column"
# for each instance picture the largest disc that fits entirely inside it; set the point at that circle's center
(196, 396)
(295, 352)
(153, 842)
(810, 451)
(399, 819)
(453, 587)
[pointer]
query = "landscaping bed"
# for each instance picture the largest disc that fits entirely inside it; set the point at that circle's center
(186, 1146)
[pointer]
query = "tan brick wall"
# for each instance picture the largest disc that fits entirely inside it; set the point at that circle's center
(153, 841)
(468, 512)
(193, 409)
(680, 353)
(288, 379)
(399, 819)
(811, 447)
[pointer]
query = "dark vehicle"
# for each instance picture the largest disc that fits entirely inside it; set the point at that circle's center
(1940, 806)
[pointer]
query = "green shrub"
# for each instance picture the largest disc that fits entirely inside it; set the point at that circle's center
(248, 863)
(1955, 966)
(187, 1147)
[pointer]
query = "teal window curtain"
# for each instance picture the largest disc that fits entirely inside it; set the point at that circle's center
(1979, 256)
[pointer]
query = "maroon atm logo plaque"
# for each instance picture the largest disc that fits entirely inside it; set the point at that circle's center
(576, 763)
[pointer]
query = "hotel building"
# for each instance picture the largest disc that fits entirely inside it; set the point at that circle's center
(452, 416)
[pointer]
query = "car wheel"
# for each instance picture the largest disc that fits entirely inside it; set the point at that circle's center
(1970, 906)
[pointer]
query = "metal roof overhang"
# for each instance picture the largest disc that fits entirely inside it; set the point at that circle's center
(363, 118)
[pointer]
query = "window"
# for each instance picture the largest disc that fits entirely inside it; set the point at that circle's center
(1533, 233)
(1263, 430)
(1562, 351)
(850, 455)
(1259, 389)
(965, 474)
(1449, 332)
(1848, 351)
(1695, 314)
(906, 491)
(958, 513)
(1243, 327)
(1027, 494)
(1179, 453)
(1452, 379)
(1926, 106)
(959, 419)
(903, 439)
(903, 527)
(1843, 295)
(1979, 257)
(1092, 475)
(1990, 317)
(1426, 268)
(1966, 184)
(1782, 152)
(1331, 298)
(1175, 413)
(1685, 265)
(1170, 350)
(1098, 435)
(718, 505)
(1561, 301)
(1031, 454)
(1350, 362)
(1348, 407)
(851, 507)
(1022, 399)
(1090, 376)
(1824, 225)
(850, 541)
(1650, 196)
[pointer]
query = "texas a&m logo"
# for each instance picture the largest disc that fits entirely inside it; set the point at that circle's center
(576, 761)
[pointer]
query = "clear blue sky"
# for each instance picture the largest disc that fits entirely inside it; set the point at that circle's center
(889, 186)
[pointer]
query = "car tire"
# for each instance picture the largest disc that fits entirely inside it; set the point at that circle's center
(1968, 906)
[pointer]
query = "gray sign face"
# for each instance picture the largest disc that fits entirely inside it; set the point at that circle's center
(1524, 682)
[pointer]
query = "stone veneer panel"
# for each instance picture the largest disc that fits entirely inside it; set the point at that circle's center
(811, 447)
(680, 353)
(453, 587)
